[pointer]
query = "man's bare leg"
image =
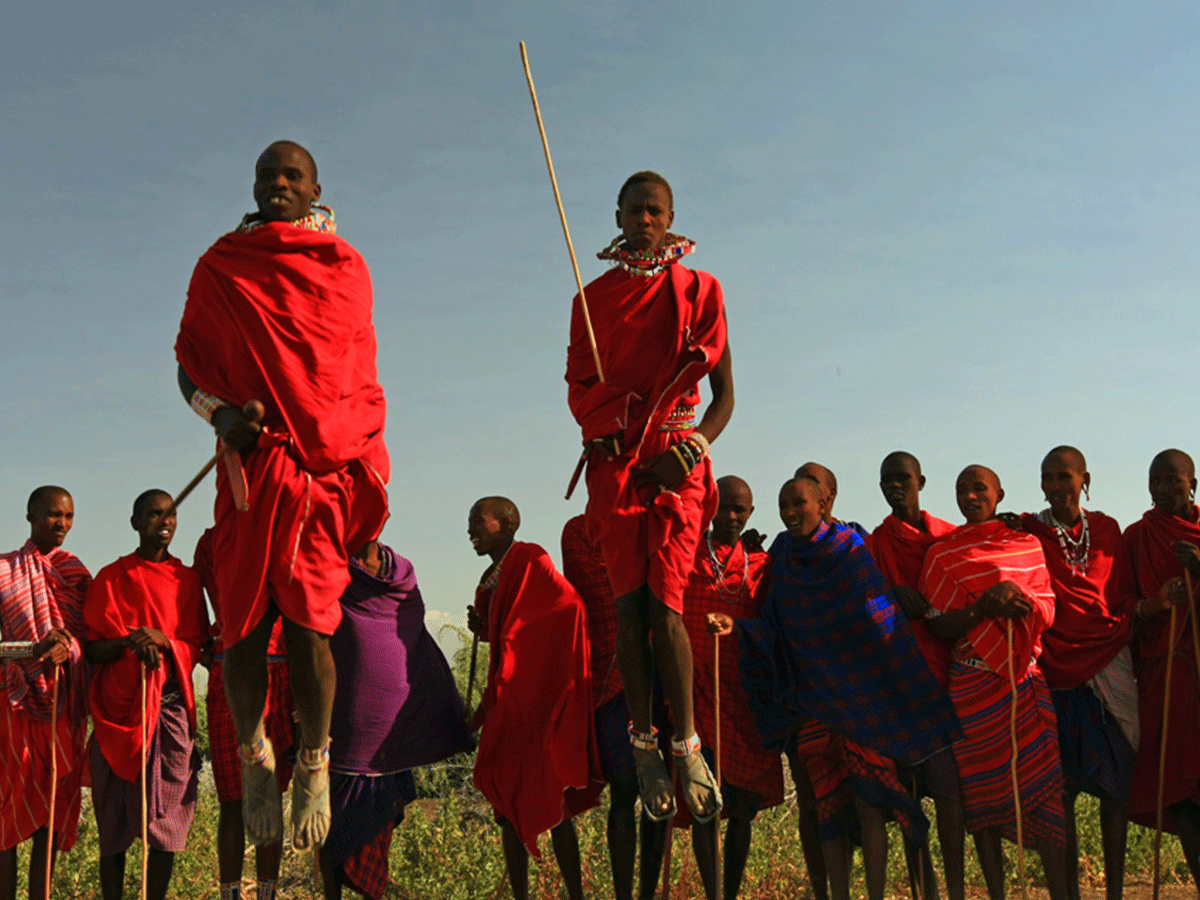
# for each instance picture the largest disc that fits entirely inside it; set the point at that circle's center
(231, 845)
(737, 851)
(1072, 835)
(112, 876)
(314, 682)
(654, 848)
(37, 862)
(874, 847)
(838, 855)
(1054, 864)
(246, 683)
(1187, 820)
(622, 833)
(516, 861)
(635, 660)
(952, 835)
(810, 828)
(1114, 839)
(704, 848)
(565, 841)
(8, 874)
(989, 849)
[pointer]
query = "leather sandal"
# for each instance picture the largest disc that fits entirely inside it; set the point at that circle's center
(654, 782)
(696, 780)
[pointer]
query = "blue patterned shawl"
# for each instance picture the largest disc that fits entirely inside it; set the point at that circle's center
(831, 643)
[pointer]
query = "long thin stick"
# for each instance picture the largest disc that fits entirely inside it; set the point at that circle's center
(717, 748)
(1187, 577)
(587, 319)
(53, 775)
(1016, 784)
(145, 818)
(1162, 752)
(666, 875)
(471, 675)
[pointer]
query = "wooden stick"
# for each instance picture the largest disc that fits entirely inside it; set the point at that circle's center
(666, 873)
(145, 818)
(1016, 783)
(1187, 578)
(53, 775)
(471, 674)
(1162, 752)
(717, 750)
(254, 412)
(919, 883)
(587, 319)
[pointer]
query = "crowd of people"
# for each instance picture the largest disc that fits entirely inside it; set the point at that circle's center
(1000, 667)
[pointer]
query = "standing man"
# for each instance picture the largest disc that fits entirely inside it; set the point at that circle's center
(659, 330)
(146, 625)
(42, 587)
(728, 579)
(279, 311)
(1086, 660)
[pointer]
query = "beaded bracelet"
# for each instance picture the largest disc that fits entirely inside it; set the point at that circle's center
(687, 467)
(687, 746)
(205, 404)
(701, 443)
(688, 452)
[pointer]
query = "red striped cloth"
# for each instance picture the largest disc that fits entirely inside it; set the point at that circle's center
(973, 558)
(367, 870)
(745, 763)
(222, 737)
(984, 755)
(39, 592)
(583, 566)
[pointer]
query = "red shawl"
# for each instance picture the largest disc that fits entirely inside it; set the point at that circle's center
(972, 558)
(652, 357)
(583, 566)
(1091, 623)
(132, 593)
(899, 551)
(283, 315)
(538, 738)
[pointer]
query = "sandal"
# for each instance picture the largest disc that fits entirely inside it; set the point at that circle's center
(262, 804)
(654, 783)
(696, 779)
(310, 798)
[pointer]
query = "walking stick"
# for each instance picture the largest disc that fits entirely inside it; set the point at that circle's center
(1162, 752)
(254, 412)
(1187, 578)
(587, 319)
(53, 774)
(1016, 784)
(717, 749)
(666, 876)
(471, 674)
(145, 820)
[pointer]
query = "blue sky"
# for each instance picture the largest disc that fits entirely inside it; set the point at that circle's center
(965, 230)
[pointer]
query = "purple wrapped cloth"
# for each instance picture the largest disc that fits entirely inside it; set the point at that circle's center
(397, 706)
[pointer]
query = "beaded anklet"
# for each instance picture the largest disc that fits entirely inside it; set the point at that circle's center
(643, 740)
(686, 747)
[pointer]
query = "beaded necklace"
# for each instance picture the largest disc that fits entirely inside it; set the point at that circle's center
(646, 263)
(320, 219)
(1075, 550)
(719, 571)
(493, 577)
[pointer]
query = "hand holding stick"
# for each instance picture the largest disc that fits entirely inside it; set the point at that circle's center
(253, 411)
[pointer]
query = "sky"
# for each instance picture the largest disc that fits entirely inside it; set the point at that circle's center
(965, 230)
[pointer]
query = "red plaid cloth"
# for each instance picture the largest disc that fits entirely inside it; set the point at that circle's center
(745, 763)
(583, 566)
(222, 738)
(367, 870)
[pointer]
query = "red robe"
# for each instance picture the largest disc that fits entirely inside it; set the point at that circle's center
(39, 592)
(283, 315)
(538, 740)
(745, 763)
(583, 566)
(1145, 564)
(657, 337)
(133, 593)
(1091, 622)
(899, 551)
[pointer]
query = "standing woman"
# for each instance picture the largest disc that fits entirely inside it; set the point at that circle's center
(659, 329)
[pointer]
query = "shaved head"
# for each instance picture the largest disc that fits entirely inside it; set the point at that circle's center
(978, 492)
(728, 485)
(502, 509)
(1072, 456)
(43, 495)
(645, 177)
(978, 472)
(899, 458)
(826, 479)
(806, 486)
(303, 152)
(145, 498)
(1177, 458)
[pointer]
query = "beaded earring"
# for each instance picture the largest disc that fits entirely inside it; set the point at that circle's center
(1086, 495)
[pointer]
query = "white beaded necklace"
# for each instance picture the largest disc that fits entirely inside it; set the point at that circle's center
(1075, 550)
(719, 571)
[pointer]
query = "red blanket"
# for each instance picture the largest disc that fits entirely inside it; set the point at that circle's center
(738, 592)
(1145, 564)
(583, 566)
(132, 593)
(657, 338)
(537, 739)
(899, 551)
(39, 592)
(972, 558)
(1091, 623)
(283, 315)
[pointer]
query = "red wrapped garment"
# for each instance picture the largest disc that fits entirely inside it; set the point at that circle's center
(135, 593)
(202, 562)
(658, 337)
(1091, 622)
(1145, 564)
(537, 741)
(40, 591)
(737, 592)
(282, 314)
(583, 566)
(899, 551)
(958, 568)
